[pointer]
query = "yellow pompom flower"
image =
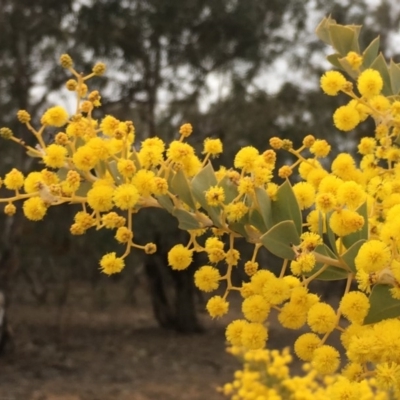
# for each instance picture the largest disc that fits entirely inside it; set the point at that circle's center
(303, 264)
(275, 291)
(245, 158)
(255, 308)
(217, 306)
(23, 116)
(321, 318)
(305, 194)
(235, 211)
(320, 148)
(254, 336)
(84, 219)
(34, 208)
(112, 220)
(212, 146)
(346, 118)
(144, 182)
(207, 278)
(160, 186)
(123, 234)
(354, 306)
(215, 196)
(351, 194)
(151, 153)
(233, 332)
(55, 116)
(32, 181)
(250, 267)
(126, 196)
(111, 264)
(387, 375)
(126, 168)
(100, 198)
(55, 156)
(109, 125)
(367, 145)
(373, 256)
(305, 346)
(186, 130)
(292, 316)
(100, 148)
(246, 185)
(14, 180)
(343, 389)
(354, 59)
(332, 82)
(179, 257)
(84, 158)
(369, 83)
(343, 222)
(10, 209)
(325, 202)
(326, 360)
(180, 152)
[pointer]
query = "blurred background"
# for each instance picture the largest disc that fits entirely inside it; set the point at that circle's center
(242, 71)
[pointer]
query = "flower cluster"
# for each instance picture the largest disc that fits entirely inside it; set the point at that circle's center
(339, 221)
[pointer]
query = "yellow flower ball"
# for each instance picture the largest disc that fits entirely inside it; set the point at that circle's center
(207, 278)
(111, 264)
(145, 182)
(369, 83)
(55, 116)
(346, 118)
(255, 308)
(179, 257)
(126, 196)
(305, 194)
(245, 158)
(305, 346)
(217, 306)
(100, 198)
(212, 146)
(254, 336)
(233, 332)
(332, 82)
(326, 360)
(321, 318)
(373, 256)
(55, 156)
(354, 306)
(14, 180)
(34, 208)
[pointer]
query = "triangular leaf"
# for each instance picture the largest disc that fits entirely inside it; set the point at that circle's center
(350, 255)
(264, 206)
(370, 53)
(383, 305)
(230, 189)
(180, 187)
(380, 65)
(257, 221)
(334, 60)
(187, 220)
(344, 38)
(394, 71)
(286, 207)
(280, 239)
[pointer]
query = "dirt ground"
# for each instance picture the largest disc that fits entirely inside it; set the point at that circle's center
(118, 353)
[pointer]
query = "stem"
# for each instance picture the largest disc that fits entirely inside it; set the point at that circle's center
(284, 267)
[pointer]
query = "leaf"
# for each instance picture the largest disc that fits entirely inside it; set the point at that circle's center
(332, 273)
(134, 157)
(383, 305)
(166, 203)
(380, 65)
(286, 207)
(230, 189)
(394, 71)
(100, 169)
(350, 255)
(329, 234)
(200, 184)
(187, 220)
(264, 206)
(322, 30)
(112, 168)
(239, 228)
(180, 187)
(334, 60)
(354, 237)
(370, 53)
(279, 239)
(84, 187)
(344, 38)
(257, 220)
